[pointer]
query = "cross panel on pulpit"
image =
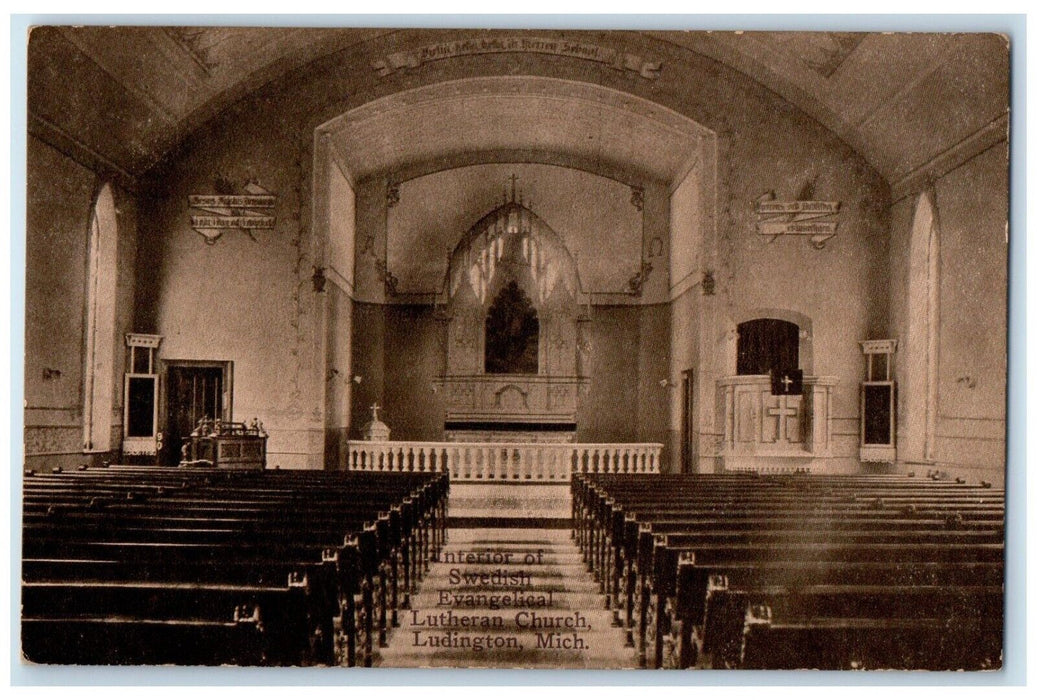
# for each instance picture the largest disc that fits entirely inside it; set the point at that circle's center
(767, 420)
(781, 420)
(758, 423)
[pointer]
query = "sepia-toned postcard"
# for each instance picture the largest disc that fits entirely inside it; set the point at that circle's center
(515, 348)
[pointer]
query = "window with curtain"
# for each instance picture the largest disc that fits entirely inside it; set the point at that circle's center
(766, 344)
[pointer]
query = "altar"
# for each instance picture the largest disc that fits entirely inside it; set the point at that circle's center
(511, 408)
(514, 314)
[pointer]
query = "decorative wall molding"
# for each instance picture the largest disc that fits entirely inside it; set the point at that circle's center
(63, 142)
(637, 197)
(390, 280)
(709, 283)
(637, 281)
(957, 155)
(618, 60)
(511, 398)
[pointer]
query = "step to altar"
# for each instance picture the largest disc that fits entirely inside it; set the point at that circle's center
(509, 505)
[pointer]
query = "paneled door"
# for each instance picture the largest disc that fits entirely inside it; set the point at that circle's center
(193, 391)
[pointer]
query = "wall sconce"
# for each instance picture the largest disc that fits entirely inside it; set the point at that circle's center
(709, 284)
(49, 373)
(332, 373)
(637, 282)
(667, 383)
(357, 379)
(319, 279)
(968, 381)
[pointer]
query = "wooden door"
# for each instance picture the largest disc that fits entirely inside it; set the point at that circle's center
(193, 393)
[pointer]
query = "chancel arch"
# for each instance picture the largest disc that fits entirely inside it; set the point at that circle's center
(594, 161)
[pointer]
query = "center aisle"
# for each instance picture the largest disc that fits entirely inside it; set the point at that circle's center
(508, 596)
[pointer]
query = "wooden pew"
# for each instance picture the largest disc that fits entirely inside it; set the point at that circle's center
(871, 643)
(731, 611)
(285, 614)
(625, 564)
(249, 549)
(239, 640)
(948, 533)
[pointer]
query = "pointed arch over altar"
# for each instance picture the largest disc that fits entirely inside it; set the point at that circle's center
(512, 253)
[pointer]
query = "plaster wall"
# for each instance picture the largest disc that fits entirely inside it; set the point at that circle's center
(61, 194)
(971, 213)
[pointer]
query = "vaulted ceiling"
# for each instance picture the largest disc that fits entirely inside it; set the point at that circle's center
(127, 97)
(516, 118)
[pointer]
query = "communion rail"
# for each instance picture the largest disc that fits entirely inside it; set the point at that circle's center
(499, 461)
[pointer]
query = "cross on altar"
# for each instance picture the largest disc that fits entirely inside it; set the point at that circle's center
(376, 429)
(786, 382)
(783, 412)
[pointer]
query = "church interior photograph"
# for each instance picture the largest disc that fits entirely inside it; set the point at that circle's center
(508, 348)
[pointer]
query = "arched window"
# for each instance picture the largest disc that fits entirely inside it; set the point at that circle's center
(100, 324)
(922, 349)
(512, 334)
(766, 344)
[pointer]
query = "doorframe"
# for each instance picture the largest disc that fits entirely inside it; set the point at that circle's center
(227, 381)
(687, 434)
